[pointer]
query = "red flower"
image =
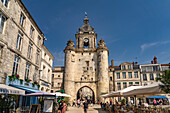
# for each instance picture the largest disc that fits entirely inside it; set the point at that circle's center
(35, 82)
(17, 75)
(30, 80)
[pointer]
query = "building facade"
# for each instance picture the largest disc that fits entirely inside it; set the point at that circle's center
(57, 79)
(20, 42)
(46, 70)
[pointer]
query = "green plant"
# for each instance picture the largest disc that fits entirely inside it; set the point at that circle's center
(27, 80)
(33, 84)
(38, 86)
(10, 78)
(123, 101)
(165, 80)
(21, 81)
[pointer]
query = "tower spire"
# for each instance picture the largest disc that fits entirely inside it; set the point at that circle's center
(85, 14)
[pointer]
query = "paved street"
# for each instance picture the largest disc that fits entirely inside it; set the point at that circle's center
(94, 109)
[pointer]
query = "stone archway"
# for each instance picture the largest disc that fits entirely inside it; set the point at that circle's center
(86, 92)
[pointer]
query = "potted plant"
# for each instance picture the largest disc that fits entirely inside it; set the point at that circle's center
(21, 81)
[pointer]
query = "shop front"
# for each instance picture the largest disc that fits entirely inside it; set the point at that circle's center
(24, 101)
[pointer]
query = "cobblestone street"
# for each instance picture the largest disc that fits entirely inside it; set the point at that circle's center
(94, 109)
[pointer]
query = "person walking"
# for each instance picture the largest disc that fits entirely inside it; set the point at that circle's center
(85, 106)
(78, 103)
(64, 107)
(74, 103)
(60, 106)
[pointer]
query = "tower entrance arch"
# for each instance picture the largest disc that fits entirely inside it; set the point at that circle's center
(86, 93)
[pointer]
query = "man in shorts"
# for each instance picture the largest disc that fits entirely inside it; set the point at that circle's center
(85, 106)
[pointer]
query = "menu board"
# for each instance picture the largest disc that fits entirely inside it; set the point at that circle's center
(34, 108)
(48, 106)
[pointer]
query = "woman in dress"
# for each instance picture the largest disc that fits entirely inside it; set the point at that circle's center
(64, 107)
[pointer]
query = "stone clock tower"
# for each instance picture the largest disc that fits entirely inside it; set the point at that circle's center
(86, 66)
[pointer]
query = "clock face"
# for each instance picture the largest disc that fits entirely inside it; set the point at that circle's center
(86, 40)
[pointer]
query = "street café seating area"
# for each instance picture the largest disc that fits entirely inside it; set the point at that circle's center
(139, 109)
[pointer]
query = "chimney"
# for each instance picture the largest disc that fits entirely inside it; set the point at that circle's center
(155, 60)
(136, 63)
(152, 62)
(112, 62)
(133, 63)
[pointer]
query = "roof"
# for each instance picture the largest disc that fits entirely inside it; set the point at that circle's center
(165, 64)
(86, 27)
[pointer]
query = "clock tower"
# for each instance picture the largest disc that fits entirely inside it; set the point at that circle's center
(86, 66)
(86, 37)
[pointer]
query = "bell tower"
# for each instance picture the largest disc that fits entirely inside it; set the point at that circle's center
(86, 37)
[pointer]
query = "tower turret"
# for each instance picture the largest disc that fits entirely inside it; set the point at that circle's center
(103, 76)
(69, 68)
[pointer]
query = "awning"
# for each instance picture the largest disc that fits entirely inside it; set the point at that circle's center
(29, 90)
(159, 96)
(4, 89)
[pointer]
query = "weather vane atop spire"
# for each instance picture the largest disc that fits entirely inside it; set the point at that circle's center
(85, 14)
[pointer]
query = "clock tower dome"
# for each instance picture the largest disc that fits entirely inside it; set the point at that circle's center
(86, 37)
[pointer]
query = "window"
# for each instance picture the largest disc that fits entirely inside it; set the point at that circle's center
(29, 50)
(118, 86)
(52, 75)
(59, 76)
(27, 70)
(37, 56)
(19, 41)
(31, 31)
(35, 74)
(22, 19)
(123, 67)
(144, 77)
(130, 83)
(130, 74)
(136, 74)
(39, 41)
(156, 68)
(91, 79)
(118, 75)
(5, 2)
(137, 83)
(129, 66)
(110, 78)
(87, 63)
(124, 85)
(15, 66)
(2, 23)
(151, 77)
(124, 74)
(157, 75)
(58, 84)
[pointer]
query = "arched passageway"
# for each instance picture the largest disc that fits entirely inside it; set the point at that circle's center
(87, 93)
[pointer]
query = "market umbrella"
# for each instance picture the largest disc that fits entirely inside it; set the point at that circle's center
(58, 94)
(145, 91)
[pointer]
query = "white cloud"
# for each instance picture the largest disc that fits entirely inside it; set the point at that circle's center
(149, 45)
(59, 58)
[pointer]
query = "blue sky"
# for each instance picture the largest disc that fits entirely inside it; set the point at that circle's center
(130, 28)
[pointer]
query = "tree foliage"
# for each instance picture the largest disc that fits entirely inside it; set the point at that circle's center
(165, 80)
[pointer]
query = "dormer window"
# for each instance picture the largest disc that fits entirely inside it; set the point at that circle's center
(123, 67)
(5, 2)
(129, 66)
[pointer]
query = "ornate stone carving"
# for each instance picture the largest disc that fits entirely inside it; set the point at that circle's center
(70, 46)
